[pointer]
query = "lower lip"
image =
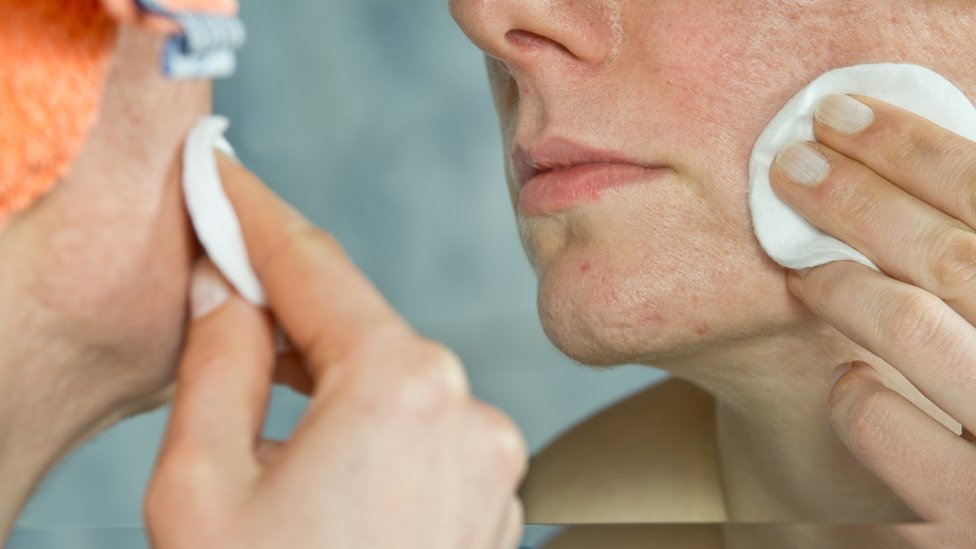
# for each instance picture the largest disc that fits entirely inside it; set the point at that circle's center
(560, 190)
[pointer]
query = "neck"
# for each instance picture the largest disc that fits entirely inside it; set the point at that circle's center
(46, 411)
(779, 457)
(94, 290)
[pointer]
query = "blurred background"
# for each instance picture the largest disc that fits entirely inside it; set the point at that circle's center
(375, 119)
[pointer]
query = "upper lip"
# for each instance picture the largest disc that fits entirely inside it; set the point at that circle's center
(558, 154)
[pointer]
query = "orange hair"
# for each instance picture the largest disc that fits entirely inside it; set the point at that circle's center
(54, 55)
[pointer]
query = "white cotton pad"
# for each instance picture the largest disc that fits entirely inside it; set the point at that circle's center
(787, 237)
(211, 212)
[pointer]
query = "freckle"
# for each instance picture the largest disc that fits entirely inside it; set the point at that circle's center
(704, 329)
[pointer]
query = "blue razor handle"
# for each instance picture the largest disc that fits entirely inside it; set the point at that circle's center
(205, 47)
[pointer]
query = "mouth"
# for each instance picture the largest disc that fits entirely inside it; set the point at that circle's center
(558, 175)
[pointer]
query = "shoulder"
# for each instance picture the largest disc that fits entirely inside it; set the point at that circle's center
(649, 458)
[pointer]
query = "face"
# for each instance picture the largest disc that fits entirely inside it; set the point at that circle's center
(98, 269)
(630, 124)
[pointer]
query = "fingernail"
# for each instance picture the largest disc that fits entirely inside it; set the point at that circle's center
(803, 164)
(844, 114)
(840, 372)
(208, 291)
(228, 156)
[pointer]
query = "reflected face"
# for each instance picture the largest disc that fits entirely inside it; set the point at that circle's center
(629, 125)
(101, 264)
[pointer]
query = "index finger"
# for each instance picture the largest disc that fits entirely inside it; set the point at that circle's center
(923, 158)
(324, 303)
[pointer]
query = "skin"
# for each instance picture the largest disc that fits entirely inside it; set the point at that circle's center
(390, 418)
(923, 311)
(94, 317)
(659, 274)
(95, 281)
(779, 358)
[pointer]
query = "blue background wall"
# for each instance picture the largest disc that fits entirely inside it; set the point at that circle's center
(374, 118)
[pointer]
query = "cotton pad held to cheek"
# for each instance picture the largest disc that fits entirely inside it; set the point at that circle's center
(786, 236)
(214, 220)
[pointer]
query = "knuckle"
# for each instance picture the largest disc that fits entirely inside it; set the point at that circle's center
(181, 480)
(346, 355)
(953, 271)
(915, 321)
(509, 449)
(907, 147)
(432, 378)
(855, 202)
(868, 432)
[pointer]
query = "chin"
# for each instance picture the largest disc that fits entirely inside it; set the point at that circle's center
(623, 289)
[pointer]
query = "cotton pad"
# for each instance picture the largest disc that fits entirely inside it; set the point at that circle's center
(211, 212)
(785, 235)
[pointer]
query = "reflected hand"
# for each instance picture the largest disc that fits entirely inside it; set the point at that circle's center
(393, 450)
(903, 192)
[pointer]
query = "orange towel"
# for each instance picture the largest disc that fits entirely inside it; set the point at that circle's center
(54, 57)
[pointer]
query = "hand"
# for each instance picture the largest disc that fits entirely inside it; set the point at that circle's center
(903, 192)
(393, 450)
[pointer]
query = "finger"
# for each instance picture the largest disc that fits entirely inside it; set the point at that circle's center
(509, 450)
(224, 378)
(924, 463)
(504, 451)
(510, 533)
(325, 305)
(914, 331)
(907, 238)
(921, 157)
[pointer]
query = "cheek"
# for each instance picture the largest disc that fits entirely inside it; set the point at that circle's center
(112, 274)
(650, 271)
(722, 69)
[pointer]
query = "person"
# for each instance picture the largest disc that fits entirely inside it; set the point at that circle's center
(664, 96)
(94, 279)
(630, 125)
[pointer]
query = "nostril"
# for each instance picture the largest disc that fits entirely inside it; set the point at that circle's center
(530, 40)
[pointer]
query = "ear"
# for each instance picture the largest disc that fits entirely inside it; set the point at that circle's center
(123, 11)
(126, 12)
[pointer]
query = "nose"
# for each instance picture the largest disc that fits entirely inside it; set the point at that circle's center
(527, 33)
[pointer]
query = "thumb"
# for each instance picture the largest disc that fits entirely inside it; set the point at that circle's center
(225, 376)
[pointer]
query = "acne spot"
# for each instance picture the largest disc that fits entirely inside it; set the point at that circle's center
(585, 267)
(703, 329)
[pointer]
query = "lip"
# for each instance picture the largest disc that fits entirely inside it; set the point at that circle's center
(559, 174)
